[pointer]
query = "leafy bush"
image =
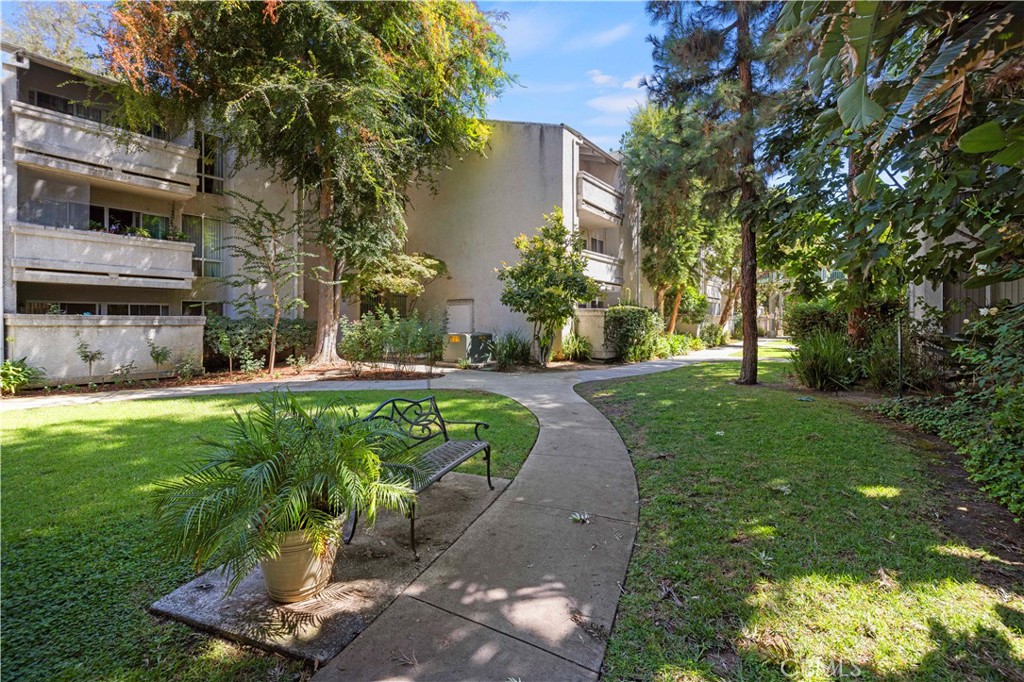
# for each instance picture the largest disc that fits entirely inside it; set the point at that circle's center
(673, 345)
(296, 336)
(16, 374)
(510, 348)
(385, 336)
(880, 360)
(576, 347)
(188, 367)
(241, 339)
(693, 306)
(632, 332)
(805, 319)
(159, 354)
(712, 334)
(824, 361)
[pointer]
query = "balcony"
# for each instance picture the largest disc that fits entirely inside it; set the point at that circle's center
(604, 269)
(49, 342)
(600, 204)
(65, 256)
(74, 146)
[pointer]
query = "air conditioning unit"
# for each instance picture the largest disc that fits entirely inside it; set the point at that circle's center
(475, 348)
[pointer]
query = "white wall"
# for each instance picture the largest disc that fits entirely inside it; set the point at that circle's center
(482, 204)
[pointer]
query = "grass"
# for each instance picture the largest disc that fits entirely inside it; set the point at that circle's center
(776, 533)
(80, 562)
(769, 350)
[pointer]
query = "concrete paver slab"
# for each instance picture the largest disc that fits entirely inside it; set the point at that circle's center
(532, 573)
(368, 575)
(606, 487)
(415, 641)
(584, 444)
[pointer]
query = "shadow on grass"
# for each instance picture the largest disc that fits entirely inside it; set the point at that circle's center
(779, 531)
(81, 562)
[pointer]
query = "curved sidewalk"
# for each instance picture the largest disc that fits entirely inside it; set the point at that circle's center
(527, 592)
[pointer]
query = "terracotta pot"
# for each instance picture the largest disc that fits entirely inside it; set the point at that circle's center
(297, 573)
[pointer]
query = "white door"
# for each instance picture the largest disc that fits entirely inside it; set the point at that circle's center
(460, 317)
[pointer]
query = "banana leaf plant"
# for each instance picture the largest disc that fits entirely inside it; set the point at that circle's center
(281, 467)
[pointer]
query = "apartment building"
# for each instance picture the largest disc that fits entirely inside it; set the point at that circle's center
(115, 239)
(483, 202)
(110, 238)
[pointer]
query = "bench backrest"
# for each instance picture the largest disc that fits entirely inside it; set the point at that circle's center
(416, 420)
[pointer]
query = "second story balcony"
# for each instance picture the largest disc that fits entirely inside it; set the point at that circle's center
(75, 146)
(604, 269)
(67, 256)
(600, 204)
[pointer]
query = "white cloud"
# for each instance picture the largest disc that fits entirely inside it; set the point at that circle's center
(530, 31)
(618, 103)
(601, 39)
(601, 79)
(634, 82)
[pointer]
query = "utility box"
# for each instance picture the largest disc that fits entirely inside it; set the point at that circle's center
(476, 348)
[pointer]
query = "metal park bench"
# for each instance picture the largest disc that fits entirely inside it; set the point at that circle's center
(418, 422)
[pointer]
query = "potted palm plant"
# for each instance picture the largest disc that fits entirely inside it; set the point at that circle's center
(271, 493)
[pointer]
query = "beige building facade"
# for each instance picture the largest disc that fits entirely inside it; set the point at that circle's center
(116, 239)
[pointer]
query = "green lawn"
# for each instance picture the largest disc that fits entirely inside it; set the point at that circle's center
(801, 535)
(80, 563)
(774, 349)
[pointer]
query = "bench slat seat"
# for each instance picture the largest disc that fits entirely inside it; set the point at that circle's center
(417, 422)
(445, 457)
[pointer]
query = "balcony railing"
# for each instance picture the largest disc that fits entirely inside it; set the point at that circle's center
(599, 199)
(65, 256)
(72, 145)
(605, 269)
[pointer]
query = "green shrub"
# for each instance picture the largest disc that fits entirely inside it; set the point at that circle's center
(385, 336)
(632, 332)
(693, 306)
(16, 374)
(824, 361)
(510, 348)
(712, 334)
(295, 336)
(880, 360)
(242, 339)
(804, 319)
(576, 347)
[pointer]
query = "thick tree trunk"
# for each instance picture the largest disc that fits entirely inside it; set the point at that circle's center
(328, 293)
(675, 310)
(748, 244)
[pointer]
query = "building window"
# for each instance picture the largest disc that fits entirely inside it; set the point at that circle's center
(200, 308)
(596, 245)
(123, 221)
(138, 309)
(64, 105)
(207, 236)
(210, 164)
(69, 214)
(61, 308)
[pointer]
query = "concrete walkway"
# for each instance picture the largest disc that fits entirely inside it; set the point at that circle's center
(526, 592)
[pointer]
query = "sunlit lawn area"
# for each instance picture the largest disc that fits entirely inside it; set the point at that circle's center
(781, 532)
(80, 563)
(770, 350)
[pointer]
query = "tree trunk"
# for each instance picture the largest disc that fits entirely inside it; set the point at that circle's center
(748, 245)
(675, 311)
(858, 313)
(272, 354)
(326, 351)
(730, 303)
(659, 298)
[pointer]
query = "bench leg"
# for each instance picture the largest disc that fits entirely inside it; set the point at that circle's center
(487, 458)
(412, 536)
(349, 529)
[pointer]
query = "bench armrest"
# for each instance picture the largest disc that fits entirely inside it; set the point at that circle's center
(476, 426)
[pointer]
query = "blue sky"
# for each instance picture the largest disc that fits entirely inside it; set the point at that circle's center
(577, 63)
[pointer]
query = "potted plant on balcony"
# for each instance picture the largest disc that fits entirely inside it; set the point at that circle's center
(272, 491)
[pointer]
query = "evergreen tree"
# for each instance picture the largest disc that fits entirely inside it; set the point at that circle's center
(721, 59)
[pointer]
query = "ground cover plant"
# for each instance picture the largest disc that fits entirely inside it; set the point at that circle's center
(80, 565)
(779, 533)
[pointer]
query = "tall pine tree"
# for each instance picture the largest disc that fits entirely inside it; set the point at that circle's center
(721, 60)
